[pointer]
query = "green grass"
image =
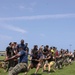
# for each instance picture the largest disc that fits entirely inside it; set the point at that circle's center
(2, 57)
(68, 70)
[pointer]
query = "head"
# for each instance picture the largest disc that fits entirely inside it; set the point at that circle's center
(35, 47)
(15, 44)
(26, 44)
(22, 41)
(67, 51)
(54, 48)
(47, 46)
(42, 46)
(11, 44)
(40, 49)
(51, 48)
(20, 48)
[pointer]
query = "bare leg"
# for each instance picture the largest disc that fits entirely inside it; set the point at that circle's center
(49, 66)
(38, 67)
(45, 65)
(30, 65)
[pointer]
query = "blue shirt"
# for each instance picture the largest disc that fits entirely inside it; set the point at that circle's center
(23, 57)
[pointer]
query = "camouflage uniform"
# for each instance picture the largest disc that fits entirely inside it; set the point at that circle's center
(18, 68)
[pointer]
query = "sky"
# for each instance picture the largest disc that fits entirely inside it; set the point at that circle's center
(38, 22)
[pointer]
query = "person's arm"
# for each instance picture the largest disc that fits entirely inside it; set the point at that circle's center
(37, 60)
(30, 59)
(6, 53)
(48, 58)
(13, 57)
(27, 49)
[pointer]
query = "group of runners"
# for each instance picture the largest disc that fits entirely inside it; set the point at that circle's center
(20, 59)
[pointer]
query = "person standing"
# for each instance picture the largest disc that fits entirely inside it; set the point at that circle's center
(22, 44)
(10, 53)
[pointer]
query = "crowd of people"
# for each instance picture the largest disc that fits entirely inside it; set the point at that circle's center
(18, 55)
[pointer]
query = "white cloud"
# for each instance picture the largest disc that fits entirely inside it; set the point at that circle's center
(14, 28)
(5, 37)
(37, 17)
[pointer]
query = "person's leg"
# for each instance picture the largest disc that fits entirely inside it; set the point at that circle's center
(38, 67)
(49, 66)
(58, 63)
(18, 68)
(45, 65)
(44, 68)
(29, 67)
(8, 66)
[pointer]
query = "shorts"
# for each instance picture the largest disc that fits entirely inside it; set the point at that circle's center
(51, 63)
(34, 65)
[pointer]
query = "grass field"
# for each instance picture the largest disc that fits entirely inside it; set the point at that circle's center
(2, 57)
(68, 70)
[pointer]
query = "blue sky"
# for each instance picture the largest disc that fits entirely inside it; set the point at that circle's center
(38, 22)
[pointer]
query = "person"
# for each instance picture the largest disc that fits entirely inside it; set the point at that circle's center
(59, 59)
(26, 48)
(46, 50)
(23, 61)
(50, 62)
(15, 51)
(21, 44)
(74, 55)
(34, 50)
(35, 62)
(10, 53)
